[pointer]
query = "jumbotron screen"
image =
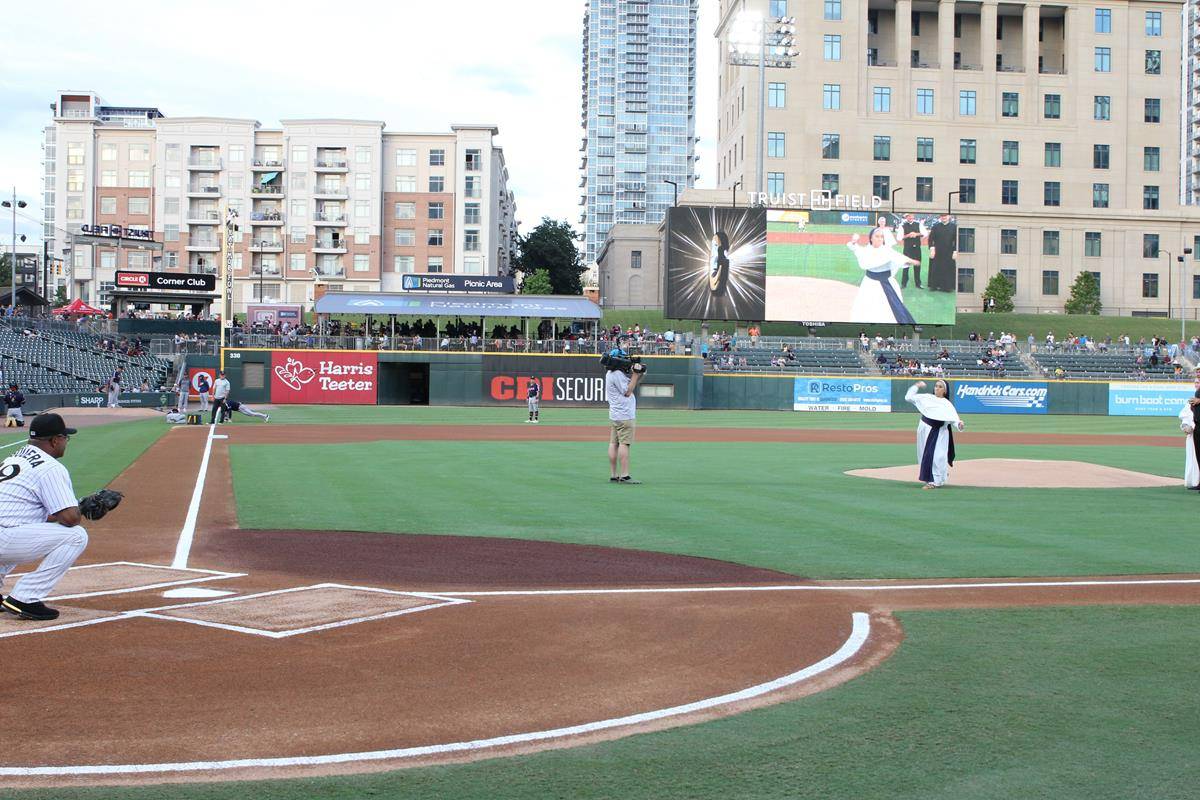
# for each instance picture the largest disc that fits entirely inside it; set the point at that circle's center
(811, 266)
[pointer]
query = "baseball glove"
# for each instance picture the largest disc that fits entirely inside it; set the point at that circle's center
(95, 506)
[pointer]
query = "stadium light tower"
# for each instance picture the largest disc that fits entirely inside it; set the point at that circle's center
(14, 205)
(762, 42)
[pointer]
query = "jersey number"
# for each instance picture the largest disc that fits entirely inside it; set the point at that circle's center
(9, 471)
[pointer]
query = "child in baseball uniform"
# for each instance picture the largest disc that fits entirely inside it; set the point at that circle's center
(533, 393)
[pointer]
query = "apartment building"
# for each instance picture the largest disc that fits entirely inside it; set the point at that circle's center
(1051, 128)
(1189, 111)
(638, 112)
(343, 203)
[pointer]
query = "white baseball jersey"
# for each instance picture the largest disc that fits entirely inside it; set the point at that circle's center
(33, 485)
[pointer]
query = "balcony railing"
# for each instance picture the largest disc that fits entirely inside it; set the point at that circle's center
(266, 216)
(329, 242)
(262, 163)
(272, 190)
(329, 272)
(208, 188)
(329, 217)
(203, 216)
(202, 269)
(268, 270)
(205, 241)
(331, 190)
(204, 162)
(267, 244)
(329, 163)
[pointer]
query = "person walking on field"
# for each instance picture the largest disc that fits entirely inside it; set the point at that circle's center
(220, 392)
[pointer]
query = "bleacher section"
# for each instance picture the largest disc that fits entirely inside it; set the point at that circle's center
(58, 361)
(961, 364)
(807, 361)
(1103, 366)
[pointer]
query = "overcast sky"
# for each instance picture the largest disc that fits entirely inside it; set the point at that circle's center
(416, 66)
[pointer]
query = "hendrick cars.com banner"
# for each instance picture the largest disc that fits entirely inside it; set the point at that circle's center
(334, 377)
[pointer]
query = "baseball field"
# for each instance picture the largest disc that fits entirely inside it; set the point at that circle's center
(447, 603)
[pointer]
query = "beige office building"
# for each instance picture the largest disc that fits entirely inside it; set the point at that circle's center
(1056, 125)
(343, 203)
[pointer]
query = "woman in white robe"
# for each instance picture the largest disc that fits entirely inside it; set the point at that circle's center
(1189, 419)
(879, 298)
(935, 440)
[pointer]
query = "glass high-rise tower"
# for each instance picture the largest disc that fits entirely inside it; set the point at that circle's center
(639, 102)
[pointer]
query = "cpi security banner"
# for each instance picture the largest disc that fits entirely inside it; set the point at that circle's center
(842, 394)
(990, 397)
(1148, 399)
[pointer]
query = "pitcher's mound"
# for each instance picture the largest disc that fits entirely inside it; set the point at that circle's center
(1022, 473)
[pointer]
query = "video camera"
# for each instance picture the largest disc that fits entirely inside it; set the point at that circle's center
(619, 359)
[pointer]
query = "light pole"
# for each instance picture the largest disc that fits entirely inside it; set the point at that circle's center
(893, 196)
(736, 184)
(231, 228)
(14, 205)
(1170, 272)
(948, 196)
(674, 186)
(758, 41)
(1187, 251)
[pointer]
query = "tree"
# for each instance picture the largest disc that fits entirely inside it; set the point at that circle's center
(537, 283)
(1085, 295)
(60, 297)
(550, 247)
(5, 270)
(1000, 289)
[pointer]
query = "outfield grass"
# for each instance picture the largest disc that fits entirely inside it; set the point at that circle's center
(564, 415)
(1070, 704)
(98, 454)
(781, 506)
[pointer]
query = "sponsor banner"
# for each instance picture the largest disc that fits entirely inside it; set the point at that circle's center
(133, 400)
(117, 232)
(993, 397)
(1148, 399)
(167, 280)
(854, 218)
(842, 394)
(566, 389)
(332, 378)
(194, 374)
(425, 282)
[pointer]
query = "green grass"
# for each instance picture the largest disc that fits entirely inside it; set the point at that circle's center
(98, 454)
(1070, 704)
(781, 506)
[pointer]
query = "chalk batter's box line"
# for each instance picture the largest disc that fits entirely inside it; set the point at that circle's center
(151, 613)
(210, 575)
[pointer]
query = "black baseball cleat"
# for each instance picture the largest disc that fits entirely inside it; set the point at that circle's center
(38, 611)
(628, 479)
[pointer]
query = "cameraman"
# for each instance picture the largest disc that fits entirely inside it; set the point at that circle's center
(619, 386)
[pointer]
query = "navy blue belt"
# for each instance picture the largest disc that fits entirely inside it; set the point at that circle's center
(902, 315)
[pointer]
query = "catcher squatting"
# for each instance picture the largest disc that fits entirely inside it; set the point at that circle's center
(39, 517)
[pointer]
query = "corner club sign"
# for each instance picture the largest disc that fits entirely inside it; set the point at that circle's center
(335, 378)
(977, 397)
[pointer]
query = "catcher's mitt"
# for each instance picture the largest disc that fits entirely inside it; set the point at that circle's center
(95, 506)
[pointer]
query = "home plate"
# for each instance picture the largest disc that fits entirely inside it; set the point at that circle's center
(191, 592)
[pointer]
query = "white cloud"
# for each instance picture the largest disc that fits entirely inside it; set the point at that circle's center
(416, 66)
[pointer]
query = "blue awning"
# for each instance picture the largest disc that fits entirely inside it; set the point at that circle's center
(410, 304)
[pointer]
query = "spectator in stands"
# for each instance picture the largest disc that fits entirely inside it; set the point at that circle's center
(788, 355)
(943, 355)
(863, 341)
(1031, 342)
(1059, 373)
(754, 332)
(973, 337)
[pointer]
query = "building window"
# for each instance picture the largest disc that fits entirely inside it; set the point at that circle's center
(434, 264)
(883, 148)
(298, 235)
(1099, 156)
(405, 237)
(473, 160)
(139, 206)
(881, 185)
(830, 182)
(1052, 106)
(471, 214)
(406, 183)
(237, 153)
(1150, 198)
(1008, 193)
(406, 158)
(925, 190)
(437, 210)
(966, 103)
(1153, 109)
(406, 211)
(362, 263)
(1103, 20)
(966, 190)
(1103, 59)
(775, 183)
(833, 10)
(1149, 284)
(170, 233)
(831, 97)
(299, 154)
(472, 187)
(1052, 193)
(138, 260)
(924, 101)
(775, 145)
(924, 150)
(108, 152)
(776, 95)
(108, 205)
(635, 259)
(1099, 195)
(403, 263)
(1154, 62)
(966, 151)
(362, 209)
(139, 152)
(1010, 154)
(833, 47)
(1011, 275)
(1154, 23)
(139, 178)
(882, 99)
(437, 157)
(1151, 159)
(74, 153)
(1010, 104)
(172, 152)
(362, 155)
(831, 145)
(108, 177)
(1050, 243)
(1091, 244)
(1050, 281)
(1150, 245)
(966, 280)
(471, 241)
(966, 240)
(1008, 241)
(297, 262)
(1053, 154)
(1102, 107)
(435, 237)
(437, 183)
(362, 182)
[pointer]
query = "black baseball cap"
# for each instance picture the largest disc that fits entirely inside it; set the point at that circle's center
(46, 426)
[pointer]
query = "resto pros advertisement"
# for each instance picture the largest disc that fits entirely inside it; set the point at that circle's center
(329, 377)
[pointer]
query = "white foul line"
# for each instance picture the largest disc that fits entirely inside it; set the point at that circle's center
(184, 547)
(858, 636)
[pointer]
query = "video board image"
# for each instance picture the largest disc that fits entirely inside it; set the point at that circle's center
(716, 263)
(861, 267)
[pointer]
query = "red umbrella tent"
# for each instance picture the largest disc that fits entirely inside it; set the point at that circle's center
(76, 308)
